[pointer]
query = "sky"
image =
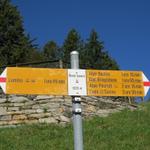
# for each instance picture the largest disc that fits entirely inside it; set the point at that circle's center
(123, 26)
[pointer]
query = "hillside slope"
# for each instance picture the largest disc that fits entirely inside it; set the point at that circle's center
(126, 130)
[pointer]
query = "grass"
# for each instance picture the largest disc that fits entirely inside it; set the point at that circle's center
(121, 131)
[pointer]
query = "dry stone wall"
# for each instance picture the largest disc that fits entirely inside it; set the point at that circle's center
(16, 110)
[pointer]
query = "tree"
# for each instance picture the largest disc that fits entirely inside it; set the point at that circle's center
(15, 46)
(72, 43)
(92, 52)
(94, 56)
(51, 51)
(108, 63)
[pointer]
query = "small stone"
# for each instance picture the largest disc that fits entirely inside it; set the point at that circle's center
(29, 111)
(31, 121)
(58, 100)
(42, 101)
(18, 99)
(29, 103)
(46, 106)
(37, 116)
(40, 97)
(3, 100)
(13, 108)
(3, 110)
(19, 117)
(61, 110)
(90, 108)
(5, 117)
(64, 119)
(39, 110)
(16, 122)
(37, 106)
(47, 120)
(18, 104)
(15, 112)
(3, 123)
(68, 97)
(6, 105)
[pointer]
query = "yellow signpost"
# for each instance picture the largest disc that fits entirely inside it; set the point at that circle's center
(74, 82)
(36, 81)
(19, 80)
(114, 83)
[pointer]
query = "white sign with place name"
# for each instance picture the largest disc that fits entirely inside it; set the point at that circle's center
(77, 82)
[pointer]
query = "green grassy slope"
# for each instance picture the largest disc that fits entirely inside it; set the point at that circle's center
(121, 131)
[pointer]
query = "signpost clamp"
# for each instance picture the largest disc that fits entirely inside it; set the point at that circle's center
(77, 99)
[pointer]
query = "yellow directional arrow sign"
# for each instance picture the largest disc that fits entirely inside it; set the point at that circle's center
(16, 80)
(114, 83)
(36, 81)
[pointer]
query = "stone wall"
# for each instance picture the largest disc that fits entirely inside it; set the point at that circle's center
(15, 110)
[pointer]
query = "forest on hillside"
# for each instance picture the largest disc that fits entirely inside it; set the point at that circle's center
(16, 46)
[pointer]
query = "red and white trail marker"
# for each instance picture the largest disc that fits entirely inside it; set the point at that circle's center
(146, 83)
(3, 80)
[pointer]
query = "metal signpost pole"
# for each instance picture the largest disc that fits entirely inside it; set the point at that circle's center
(76, 102)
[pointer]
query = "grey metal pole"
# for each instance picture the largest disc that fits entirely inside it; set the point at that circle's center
(76, 102)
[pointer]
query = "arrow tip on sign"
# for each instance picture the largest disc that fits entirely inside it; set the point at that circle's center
(3, 80)
(146, 83)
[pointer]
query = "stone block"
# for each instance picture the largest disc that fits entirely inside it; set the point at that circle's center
(2, 123)
(31, 121)
(18, 104)
(46, 106)
(13, 108)
(15, 112)
(64, 119)
(29, 103)
(48, 120)
(40, 110)
(43, 97)
(19, 117)
(26, 107)
(36, 106)
(3, 110)
(5, 117)
(38, 116)
(58, 100)
(43, 101)
(29, 111)
(7, 104)
(16, 122)
(18, 99)
(90, 108)
(3, 100)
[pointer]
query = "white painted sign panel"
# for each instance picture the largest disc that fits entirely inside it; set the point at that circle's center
(77, 82)
(3, 80)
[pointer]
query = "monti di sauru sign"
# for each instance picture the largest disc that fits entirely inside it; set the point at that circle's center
(75, 82)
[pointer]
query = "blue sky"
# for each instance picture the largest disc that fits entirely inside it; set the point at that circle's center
(123, 25)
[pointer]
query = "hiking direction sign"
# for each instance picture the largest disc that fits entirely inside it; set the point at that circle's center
(74, 82)
(117, 83)
(17, 80)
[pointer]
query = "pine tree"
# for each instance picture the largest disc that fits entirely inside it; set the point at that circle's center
(108, 63)
(15, 46)
(51, 51)
(91, 56)
(72, 43)
(94, 56)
